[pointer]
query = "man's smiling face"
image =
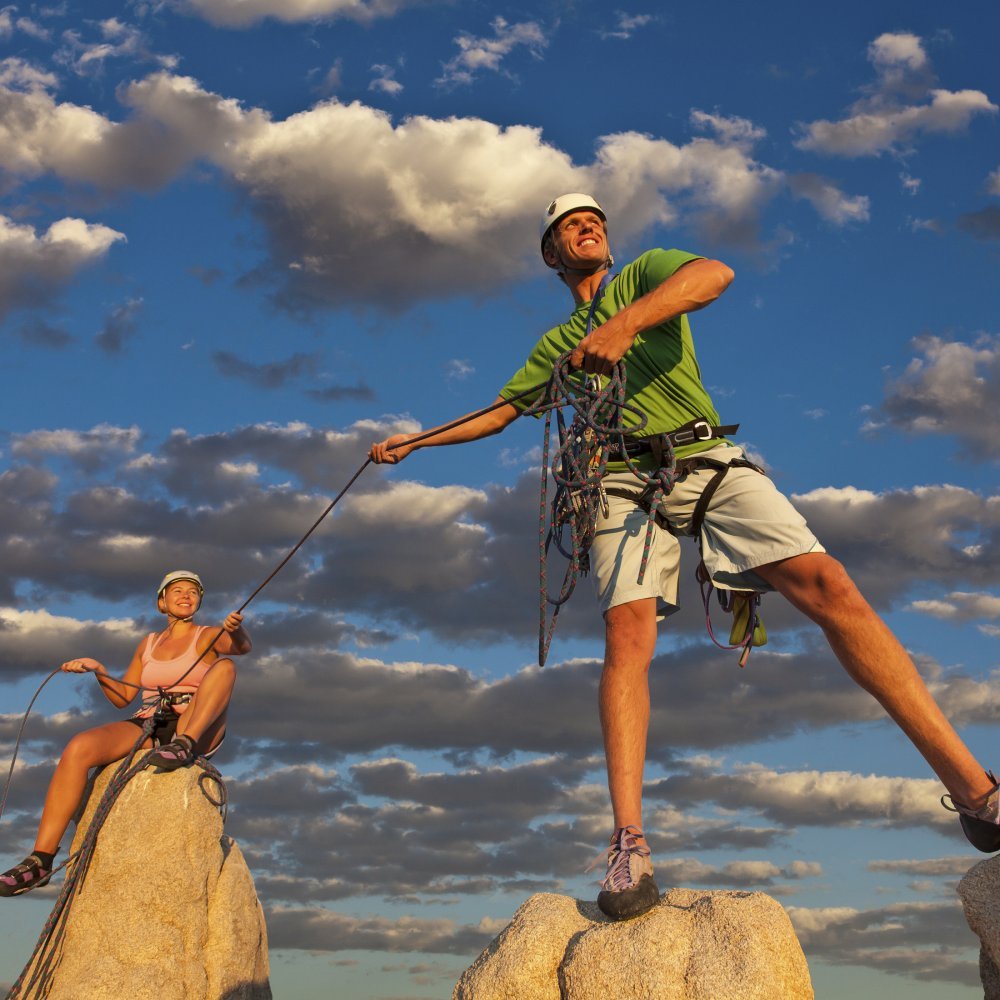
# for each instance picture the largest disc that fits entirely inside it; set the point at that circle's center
(579, 242)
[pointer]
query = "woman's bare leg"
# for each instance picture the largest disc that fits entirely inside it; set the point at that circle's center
(91, 748)
(205, 717)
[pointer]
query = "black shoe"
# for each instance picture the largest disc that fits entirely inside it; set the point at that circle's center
(628, 889)
(171, 756)
(28, 875)
(980, 826)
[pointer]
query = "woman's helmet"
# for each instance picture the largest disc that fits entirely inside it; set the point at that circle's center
(180, 574)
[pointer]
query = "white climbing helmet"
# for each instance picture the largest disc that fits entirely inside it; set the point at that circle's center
(179, 574)
(563, 205)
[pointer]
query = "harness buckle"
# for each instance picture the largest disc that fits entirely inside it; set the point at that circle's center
(697, 430)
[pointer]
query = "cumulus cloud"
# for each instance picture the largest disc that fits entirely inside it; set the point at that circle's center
(379, 556)
(173, 123)
(243, 13)
(488, 53)
(960, 607)
(930, 941)
(317, 929)
(807, 798)
(829, 201)
(339, 185)
(35, 267)
(900, 106)
(956, 865)
(952, 388)
(749, 875)
(872, 533)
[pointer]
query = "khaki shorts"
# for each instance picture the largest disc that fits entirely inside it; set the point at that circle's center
(748, 524)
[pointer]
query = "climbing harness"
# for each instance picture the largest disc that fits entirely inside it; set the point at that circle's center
(747, 629)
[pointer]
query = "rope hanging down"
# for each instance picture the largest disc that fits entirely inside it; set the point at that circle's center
(46, 953)
(578, 468)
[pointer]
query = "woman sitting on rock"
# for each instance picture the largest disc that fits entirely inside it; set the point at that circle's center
(186, 708)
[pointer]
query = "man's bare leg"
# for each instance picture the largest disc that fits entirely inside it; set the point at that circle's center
(820, 588)
(630, 635)
(628, 888)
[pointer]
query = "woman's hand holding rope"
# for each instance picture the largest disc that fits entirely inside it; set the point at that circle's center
(83, 665)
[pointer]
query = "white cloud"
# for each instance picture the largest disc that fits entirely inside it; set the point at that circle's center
(459, 369)
(626, 24)
(118, 40)
(927, 941)
(34, 267)
(894, 52)
(385, 81)
(901, 106)
(956, 865)
(950, 388)
(87, 448)
(993, 182)
(960, 607)
(17, 74)
(731, 129)
(814, 797)
(243, 13)
(478, 54)
(829, 201)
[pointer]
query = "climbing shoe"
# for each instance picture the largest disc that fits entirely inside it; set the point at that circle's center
(178, 753)
(981, 826)
(628, 888)
(29, 874)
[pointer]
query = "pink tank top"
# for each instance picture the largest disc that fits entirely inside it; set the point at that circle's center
(162, 673)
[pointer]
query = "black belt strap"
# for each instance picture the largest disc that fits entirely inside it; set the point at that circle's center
(698, 429)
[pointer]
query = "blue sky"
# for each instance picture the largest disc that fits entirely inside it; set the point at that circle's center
(241, 240)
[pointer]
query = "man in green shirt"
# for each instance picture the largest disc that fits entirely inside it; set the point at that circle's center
(750, 535)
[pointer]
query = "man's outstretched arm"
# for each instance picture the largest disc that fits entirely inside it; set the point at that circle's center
(690, 288)
(394, 449)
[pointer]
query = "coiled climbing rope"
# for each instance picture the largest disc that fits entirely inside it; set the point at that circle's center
(578, 468)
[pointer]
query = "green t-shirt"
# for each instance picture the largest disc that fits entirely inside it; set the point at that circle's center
(662, 375)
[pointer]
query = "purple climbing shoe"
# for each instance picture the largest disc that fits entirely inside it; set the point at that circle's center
(981, 826)
(178, 753)
(628, 889)
(29, 874)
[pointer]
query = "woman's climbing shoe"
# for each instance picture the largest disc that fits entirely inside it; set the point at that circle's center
(628, 889)
(178, 753)
(981, 826)
(29, 874)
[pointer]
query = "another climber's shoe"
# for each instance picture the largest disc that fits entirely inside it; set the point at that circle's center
(628, 889)
(981, 826)
(29, 874)
(179, 752)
